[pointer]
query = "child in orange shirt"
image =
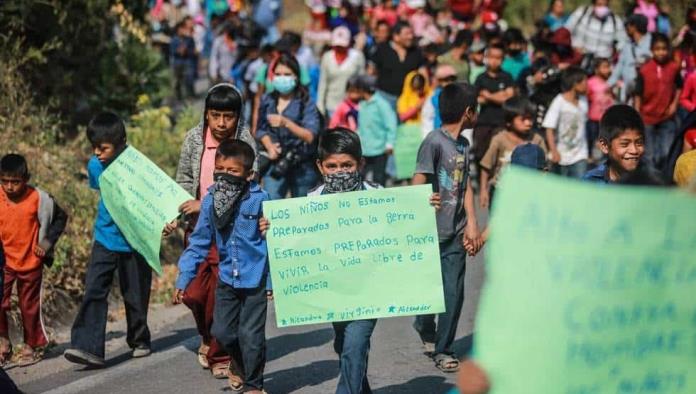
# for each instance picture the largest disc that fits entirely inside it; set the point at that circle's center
(30, 224)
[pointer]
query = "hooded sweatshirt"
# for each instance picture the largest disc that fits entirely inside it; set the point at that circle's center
(188, 172)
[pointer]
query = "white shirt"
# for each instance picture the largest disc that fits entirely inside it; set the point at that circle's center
(568, 122)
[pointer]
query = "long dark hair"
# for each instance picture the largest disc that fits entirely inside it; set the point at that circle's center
(289, 61)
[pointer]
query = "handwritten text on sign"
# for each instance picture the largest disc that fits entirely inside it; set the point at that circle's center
(589, 294)
(141, 199)
(352, 256)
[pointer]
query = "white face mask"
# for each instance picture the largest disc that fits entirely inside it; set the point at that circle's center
(602, 11)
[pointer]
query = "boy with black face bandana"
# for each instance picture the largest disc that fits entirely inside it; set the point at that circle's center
(229, 217)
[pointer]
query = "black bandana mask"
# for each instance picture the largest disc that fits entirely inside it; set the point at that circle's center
(226, 198)
(340, 182)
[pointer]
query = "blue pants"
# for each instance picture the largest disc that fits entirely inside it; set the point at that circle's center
(352, 343)
(576, 170)
(299, 180)
(452, 260)
(658, 140)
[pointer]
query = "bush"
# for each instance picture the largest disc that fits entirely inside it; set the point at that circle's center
(86, 56)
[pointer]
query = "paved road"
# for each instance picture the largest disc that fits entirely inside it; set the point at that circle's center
(300, 360)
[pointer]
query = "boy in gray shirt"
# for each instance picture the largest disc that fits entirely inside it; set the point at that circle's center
(442, 161)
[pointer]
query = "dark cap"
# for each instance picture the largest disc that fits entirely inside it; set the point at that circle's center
(529, 155)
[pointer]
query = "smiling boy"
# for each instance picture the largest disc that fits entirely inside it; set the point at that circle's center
(622, 140)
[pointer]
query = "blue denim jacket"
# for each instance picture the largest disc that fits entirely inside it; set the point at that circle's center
(304, 114)
(243, 252)
(599, 174)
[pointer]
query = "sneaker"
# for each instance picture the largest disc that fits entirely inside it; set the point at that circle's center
(81, 357)
(139, 352)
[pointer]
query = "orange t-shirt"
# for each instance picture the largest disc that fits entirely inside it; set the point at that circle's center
(19, 230)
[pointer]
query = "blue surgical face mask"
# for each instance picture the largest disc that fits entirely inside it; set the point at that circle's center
(284, 84)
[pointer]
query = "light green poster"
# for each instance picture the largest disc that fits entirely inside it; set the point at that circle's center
(141, 199)
(589, 289)
(408, 140)
(352, 256)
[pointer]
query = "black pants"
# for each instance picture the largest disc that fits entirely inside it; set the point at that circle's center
(452, 260)
(239, 323)
(135, 279)
(377, 165)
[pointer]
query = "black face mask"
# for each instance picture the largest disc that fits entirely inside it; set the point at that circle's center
(226, 198)
(514, 52)
(340, 182)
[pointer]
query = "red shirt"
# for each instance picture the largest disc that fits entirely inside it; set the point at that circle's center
(657, 85)
(19, 230)
(688, 96)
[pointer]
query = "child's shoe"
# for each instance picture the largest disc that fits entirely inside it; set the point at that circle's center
(142, 351)
(234, 378)
(220, 370)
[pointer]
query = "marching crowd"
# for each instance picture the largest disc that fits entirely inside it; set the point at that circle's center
(592, 94)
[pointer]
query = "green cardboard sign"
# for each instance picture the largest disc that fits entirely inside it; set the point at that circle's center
(141, 199)
(352, 256)
(408, 140)
(589, 289)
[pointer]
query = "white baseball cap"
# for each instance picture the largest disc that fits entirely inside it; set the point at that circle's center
(340, 37)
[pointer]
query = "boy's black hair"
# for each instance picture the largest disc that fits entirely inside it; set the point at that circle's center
(659, 37)
(598, 61)
(237, 149)
(571, 76)
(455, 99)
(107, 127)
(339, 140)
(513, 35)
(495, 46)
(431, 48)
(354, 82)
(517, 106)
(14, 165)
(463, 36)
(224, 98)
(368, 83)
(617, 119)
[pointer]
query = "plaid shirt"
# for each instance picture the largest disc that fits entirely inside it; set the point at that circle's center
(592, 35)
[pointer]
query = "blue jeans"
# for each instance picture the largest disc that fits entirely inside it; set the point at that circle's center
(658, 140)
(453, 263)
(576, 170)
(352, 344)
(299, 180)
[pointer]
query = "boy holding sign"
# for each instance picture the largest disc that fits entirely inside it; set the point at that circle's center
(110, 252)
(442, 161)
(229, 217)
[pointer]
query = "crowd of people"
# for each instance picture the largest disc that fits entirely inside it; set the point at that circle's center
(592, 94)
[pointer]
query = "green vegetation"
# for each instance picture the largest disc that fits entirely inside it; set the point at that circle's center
(54, 79)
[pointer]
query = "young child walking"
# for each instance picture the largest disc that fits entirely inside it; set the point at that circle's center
(622, 140)
(229, 218)
(658, 89)
(346, 113)
(377, 125)
(443, 162)
(519, 118)
(600, 98)
(110, 252)
(565, 123)
(30, 224)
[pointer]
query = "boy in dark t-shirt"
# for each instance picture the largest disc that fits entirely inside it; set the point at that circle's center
(494, 87)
